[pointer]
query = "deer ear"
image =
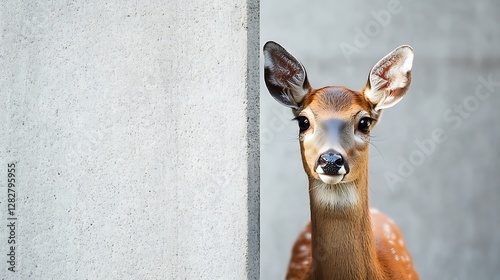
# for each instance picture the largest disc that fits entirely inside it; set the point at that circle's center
(390, 78)
(285, 77)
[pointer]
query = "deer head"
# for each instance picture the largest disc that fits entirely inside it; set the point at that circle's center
(335, 122)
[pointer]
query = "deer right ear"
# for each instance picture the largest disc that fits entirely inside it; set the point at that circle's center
(390, 78)
(285, 77)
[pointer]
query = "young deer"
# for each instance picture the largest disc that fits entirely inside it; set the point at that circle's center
(345, 239)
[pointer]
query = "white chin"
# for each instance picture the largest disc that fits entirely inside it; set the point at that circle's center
(331, 179)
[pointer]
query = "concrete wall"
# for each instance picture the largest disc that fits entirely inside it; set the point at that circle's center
(134, 130)
(447, 205)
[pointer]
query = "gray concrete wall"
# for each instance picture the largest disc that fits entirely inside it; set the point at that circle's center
(133, 127)
(447, 203)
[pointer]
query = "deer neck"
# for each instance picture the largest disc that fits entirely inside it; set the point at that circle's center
(342, 239)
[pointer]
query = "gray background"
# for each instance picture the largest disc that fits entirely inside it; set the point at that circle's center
(448, 206)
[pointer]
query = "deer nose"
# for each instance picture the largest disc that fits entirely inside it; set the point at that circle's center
(333, 163)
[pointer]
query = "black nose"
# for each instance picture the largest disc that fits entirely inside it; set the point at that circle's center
(331, 163)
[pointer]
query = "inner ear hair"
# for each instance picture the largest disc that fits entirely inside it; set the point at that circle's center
(285, 77)
(390, 78)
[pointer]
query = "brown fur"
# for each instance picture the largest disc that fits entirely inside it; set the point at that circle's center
(347, 243)
(345, 240)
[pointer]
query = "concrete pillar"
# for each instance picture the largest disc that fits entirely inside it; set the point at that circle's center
(133, 127)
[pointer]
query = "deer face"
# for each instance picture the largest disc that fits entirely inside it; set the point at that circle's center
(335, 122)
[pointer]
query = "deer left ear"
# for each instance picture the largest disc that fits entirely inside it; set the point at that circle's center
(285, 76)
(390, 78)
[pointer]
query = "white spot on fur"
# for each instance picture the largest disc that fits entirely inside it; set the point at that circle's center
(307, 236)
(303, 251)
(388, 233)
(387, 228)
(338, 196)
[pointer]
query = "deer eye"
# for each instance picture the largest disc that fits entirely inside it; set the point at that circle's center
(364, 124)
(303, 123)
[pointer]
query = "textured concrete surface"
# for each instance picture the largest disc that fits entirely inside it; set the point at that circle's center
(446, 201)
(134, 129)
